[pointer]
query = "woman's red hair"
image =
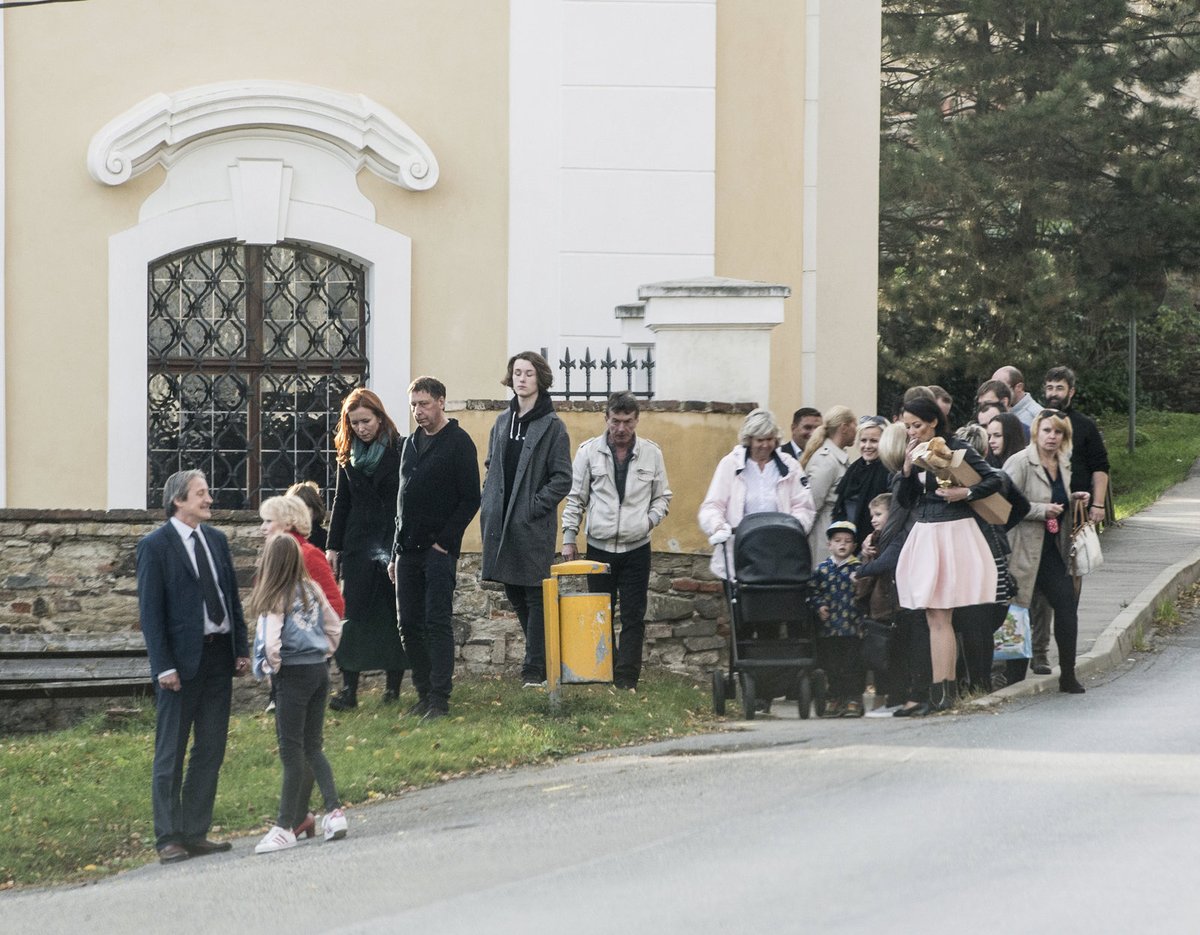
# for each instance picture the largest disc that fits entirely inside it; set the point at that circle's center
(360, 398)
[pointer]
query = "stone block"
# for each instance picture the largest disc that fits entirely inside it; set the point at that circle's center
(701, 643)
(695, 628)
(24, 582)
(668, 607)
(704, 659)
(672, 654)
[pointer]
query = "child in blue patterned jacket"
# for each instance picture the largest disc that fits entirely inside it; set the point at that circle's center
(297, 633)
(839, 636)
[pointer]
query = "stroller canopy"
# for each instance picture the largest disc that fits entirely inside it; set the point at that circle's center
(771, 548)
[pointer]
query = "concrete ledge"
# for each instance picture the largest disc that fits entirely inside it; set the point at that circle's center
(1113, 646)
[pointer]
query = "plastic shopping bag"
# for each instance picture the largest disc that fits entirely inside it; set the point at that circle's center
(1014, 640)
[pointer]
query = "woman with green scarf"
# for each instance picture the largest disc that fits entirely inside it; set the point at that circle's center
(360, 541)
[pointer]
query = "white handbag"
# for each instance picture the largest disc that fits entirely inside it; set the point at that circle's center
(1085, 543)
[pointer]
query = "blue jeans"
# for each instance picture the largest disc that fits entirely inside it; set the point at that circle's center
(425, 582)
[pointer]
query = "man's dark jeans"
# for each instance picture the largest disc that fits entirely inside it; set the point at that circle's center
(628, 583)
(527, 602)
(425, 582)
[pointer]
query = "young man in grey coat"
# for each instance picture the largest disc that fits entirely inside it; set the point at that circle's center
(528, 474)
(620, 480)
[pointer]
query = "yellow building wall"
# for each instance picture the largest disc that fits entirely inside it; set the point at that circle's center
(760, 223)
(441, 67)
(760, 166)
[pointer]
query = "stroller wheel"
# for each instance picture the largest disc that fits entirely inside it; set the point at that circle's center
(718, 691)
(749, 708)
(806, 697)
(820, 688)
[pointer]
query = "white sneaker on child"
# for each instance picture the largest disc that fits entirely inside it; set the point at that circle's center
(277, 839)
(335, 825)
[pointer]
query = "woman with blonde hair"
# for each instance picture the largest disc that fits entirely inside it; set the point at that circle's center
(826, 459)
(755, 477)
(1041, 543)
(864, 480)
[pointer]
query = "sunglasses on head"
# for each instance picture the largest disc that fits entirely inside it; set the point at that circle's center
(1052, 412)
(872, 420)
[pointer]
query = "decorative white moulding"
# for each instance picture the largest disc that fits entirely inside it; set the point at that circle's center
(158, 129)
(713, 337)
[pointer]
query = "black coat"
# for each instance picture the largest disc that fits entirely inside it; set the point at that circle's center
(361, 530)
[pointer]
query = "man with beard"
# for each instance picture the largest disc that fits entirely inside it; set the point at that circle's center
(1089, 457)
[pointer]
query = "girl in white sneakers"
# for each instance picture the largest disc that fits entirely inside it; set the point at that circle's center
(297, 633)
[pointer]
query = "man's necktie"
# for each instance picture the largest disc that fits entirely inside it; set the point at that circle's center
(212, 597)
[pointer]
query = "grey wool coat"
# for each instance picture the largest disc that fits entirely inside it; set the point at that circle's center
(518, 547)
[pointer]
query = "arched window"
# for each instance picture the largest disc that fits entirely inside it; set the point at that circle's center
(251, 350)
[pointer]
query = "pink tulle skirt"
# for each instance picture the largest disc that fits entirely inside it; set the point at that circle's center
(945, 565)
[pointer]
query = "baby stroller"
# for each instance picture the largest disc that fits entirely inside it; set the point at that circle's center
(772, 627)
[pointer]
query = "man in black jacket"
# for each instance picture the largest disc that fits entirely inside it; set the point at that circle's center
(439, 496)
(1089, 457)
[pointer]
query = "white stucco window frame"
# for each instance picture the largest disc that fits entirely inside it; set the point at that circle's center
(255, 162)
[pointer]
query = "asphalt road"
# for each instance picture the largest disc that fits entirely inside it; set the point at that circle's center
(1054, 813)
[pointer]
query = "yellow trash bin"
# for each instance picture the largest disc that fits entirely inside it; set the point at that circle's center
(579, 630)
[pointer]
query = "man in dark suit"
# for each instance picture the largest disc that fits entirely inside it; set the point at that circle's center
(192, 620)
(804, 422)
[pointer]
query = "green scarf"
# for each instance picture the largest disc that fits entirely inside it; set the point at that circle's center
(367, 457)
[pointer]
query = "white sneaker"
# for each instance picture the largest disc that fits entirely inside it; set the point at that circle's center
(541, 684)
(887, 711)
(277, 839)
(335, 825)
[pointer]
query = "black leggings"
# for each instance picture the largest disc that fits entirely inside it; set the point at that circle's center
(977, 625)
(913, 632)
(1059, 590)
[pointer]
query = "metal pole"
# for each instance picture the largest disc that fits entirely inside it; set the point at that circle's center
(1132, 381)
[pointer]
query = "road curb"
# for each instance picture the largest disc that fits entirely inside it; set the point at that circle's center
(1115, 643)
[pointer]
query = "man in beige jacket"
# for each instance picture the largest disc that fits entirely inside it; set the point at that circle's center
(620, 481)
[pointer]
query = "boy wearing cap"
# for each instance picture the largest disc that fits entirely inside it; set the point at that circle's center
(839, 634)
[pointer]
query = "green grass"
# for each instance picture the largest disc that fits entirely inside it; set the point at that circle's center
(78, 800)
(1167, 445)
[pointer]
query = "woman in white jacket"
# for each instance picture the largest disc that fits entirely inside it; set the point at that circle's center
(756, 477)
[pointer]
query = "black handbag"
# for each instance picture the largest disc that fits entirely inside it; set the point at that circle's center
(876, 645)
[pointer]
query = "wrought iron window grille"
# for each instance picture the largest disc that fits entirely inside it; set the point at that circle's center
(250, 351)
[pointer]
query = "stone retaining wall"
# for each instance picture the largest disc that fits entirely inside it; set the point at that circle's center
(73, 570)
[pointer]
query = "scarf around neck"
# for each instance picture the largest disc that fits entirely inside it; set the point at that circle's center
(367, 457)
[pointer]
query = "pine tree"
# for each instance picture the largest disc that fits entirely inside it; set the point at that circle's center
(1039, 179)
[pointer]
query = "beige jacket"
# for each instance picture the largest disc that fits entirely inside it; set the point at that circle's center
(1027, 537)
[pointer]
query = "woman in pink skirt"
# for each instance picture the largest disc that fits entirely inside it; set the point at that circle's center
(946, 562)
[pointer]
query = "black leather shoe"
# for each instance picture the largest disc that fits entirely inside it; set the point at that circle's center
(433, 712)
(418, 710)
(344, 700)
(172, 854)
(204, 847)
